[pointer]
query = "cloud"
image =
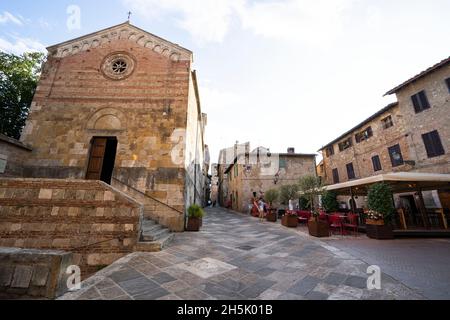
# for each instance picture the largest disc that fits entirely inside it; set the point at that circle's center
(7, 17)
(312, 21)
(206, 21)
(21, 45)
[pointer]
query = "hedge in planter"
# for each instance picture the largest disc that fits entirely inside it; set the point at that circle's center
(195, 216)
(329, 201)
(378, 220)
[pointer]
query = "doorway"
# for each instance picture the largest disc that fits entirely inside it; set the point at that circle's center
(411, 211)
(102, 159)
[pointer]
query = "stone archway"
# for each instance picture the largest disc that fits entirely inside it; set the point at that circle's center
(107, 119)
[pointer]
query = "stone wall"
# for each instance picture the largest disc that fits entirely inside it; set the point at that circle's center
(38, 274)
(435, 118)
(297, 166)
(12, 156)
(95, 222)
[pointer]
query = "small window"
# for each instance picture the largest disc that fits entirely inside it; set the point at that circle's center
(236, 171)
(345, 144)
(335, 176)
(396, 156)
(420, 102)
(376, 163)
(329, 151)
(350, 171)
(387, 122)
(283, 164)
(364, 135)
(433, 144)
(447, 81)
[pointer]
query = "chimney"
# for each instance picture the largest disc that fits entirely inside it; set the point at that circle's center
(291, 150)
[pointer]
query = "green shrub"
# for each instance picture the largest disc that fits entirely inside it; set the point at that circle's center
(195, 211)
(271, 196)
(329, 201)
(379, 199)
(304, 203)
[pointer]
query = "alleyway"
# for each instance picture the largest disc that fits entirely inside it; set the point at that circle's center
(237, 257)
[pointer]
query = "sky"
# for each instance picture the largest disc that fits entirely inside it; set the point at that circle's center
(276, 73)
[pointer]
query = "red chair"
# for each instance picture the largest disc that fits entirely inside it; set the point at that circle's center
(304, 216)
(352, 223)
(336, 223)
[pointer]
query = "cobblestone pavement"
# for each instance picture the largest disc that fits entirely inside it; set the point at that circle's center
(238, 257)
(421, 264)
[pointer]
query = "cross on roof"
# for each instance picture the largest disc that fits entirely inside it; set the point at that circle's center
(129, 15)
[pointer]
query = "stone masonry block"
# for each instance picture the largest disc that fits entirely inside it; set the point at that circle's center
(6, 274)
(22, 277)
(45, 194)
(40, 276)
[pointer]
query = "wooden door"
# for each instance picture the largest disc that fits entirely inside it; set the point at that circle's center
(96, 159)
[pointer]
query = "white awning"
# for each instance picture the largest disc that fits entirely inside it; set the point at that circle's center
(409, 180)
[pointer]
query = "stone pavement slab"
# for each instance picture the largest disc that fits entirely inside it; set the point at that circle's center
(237, 257)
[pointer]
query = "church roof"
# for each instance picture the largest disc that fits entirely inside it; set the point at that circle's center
(121, 31)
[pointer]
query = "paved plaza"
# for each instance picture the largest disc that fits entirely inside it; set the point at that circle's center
(237, 257)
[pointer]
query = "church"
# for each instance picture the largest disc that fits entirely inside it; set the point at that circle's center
(122, 106)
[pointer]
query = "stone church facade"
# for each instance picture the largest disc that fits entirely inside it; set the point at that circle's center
(121, 105)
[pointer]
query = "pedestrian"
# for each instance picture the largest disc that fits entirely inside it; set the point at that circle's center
(261, 207)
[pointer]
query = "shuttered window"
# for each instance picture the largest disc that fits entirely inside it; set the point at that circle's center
(364, 135)
(420, 102)
(335, 176)
(350, 171)
(376, 163)
(329, 151)
(433, 144)
(396, 155)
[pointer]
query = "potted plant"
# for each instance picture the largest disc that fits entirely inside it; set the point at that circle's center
(287, 193)
(311, 187)
(329, 201)
(381, 207)
(271, 196)
(195, 216)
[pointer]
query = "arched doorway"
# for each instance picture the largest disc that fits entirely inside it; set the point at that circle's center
(102, 159)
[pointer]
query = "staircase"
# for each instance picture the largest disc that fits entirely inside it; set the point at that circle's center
(153, 237)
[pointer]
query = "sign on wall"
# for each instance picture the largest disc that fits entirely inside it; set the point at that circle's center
(3, 161)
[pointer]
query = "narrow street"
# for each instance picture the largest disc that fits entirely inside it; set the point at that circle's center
(237, 257)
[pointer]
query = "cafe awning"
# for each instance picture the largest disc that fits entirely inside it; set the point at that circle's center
(400, 182)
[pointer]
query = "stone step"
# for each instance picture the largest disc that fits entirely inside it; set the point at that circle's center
(155, 234)
(154, 246)
(148, 229)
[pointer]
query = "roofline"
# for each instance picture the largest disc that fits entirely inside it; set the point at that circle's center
(419, 76)
(127, 23)
(372, 117)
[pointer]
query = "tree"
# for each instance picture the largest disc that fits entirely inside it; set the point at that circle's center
(311, 187)
(379, 199)
(287, 193)
(19, 76)
(271, 196)
(329, 201)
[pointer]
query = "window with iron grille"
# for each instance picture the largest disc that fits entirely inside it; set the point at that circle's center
(335, 176)
(364, 135)
(376, 163)
(345, 144)
(350, 171)
(420, 102)
(387, 122)
(433, 144)
(396, 155)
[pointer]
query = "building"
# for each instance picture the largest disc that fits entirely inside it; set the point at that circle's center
(121, 105)
(253, 173)
(411, 135)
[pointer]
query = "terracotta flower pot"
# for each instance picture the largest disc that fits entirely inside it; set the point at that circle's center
(318, 228)
(290, 221)
(193, 224)
(272, 216)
